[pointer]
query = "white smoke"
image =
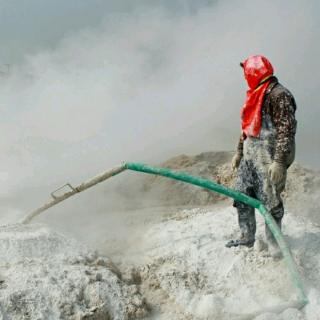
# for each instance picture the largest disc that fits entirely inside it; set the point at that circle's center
(149, 84)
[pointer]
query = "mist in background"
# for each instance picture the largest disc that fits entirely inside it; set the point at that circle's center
(93, 83)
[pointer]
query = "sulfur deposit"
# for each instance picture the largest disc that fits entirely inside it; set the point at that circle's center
(45, 275)
(167, 243)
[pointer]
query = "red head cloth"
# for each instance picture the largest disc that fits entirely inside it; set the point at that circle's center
(257, 71)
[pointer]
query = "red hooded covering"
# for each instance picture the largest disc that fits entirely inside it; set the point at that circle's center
(257, 71)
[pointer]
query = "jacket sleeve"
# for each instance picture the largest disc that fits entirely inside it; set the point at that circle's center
(284, 108)
(240, 144)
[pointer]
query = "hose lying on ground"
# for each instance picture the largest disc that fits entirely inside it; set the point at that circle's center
(207, 184)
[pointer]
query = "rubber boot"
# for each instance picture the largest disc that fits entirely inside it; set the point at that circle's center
(247, 224)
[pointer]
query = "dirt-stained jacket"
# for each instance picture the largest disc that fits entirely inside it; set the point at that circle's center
(280, 105)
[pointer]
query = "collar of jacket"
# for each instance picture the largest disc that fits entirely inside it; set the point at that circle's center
(273, 82)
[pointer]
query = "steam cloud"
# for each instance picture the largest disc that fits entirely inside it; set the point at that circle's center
(149, 83)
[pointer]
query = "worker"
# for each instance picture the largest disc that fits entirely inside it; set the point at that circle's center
(266, 147)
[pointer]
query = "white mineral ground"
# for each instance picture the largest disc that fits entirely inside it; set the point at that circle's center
(166, 241)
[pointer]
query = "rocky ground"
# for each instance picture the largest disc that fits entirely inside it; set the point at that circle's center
(167, 243)
(45, 275)
(187, 264)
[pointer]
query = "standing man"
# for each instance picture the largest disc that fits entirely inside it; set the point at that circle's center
(266, 147)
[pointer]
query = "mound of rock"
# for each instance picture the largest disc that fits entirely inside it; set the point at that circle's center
(190, 274)
(171, 257)
(45, 275)
(302, 193)
(303, 185)
(209, 165)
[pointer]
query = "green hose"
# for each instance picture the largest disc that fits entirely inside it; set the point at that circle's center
(303, 300)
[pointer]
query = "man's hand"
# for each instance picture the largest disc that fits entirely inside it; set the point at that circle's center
(277, 172)
(236, 161)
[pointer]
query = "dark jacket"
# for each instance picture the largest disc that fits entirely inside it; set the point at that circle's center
(280, 105)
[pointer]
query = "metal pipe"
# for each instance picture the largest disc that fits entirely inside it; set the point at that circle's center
(74, 190)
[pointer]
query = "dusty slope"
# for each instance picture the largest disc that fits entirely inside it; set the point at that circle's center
(45, 275)
(188, 273)
(209, 165)
(191, 273)
(303, 185)
(176, 251)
